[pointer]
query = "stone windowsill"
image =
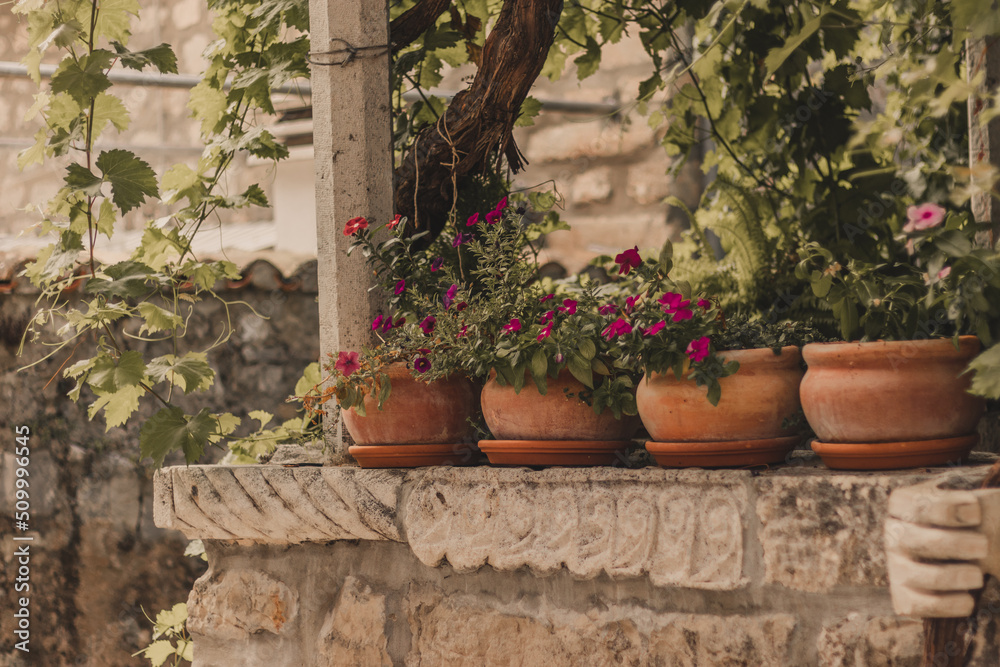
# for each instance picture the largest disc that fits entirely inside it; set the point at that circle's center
(800, 526)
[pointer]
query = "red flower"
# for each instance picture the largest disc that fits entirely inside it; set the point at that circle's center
(353, 225)
(546, 298)
(501, 205)
(655, 329)
(492, 217)
(422, 364)
(473, 219)
(512, 326)
(449, 296)
(630, 302)
(675, 304)
(698, 349)
(347, 363)
(427, 324)
(705, 304)
(377, 322)
(395, 221)
(628, 260)
(608, 309)
(546, 332)
(617, 328)
(547, 317)
(568, 307)
(436, 263)
(461, 332)
(400, 287)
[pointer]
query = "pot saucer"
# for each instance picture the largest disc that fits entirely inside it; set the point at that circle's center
(413, 456)
(555, 452)
(889, 455)
(722, 453)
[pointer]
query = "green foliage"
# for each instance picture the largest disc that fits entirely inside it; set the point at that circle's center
(170, 638)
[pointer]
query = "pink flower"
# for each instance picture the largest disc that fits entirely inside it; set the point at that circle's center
(512, 326)
(387, 325)
(377, 322)
(655, 329)
(925, 216)
(427, 324)
(698, 349)
(568, 307)
(547, 317)
(347, 363)
(400, 287)
(944, 273)
(473, 219)
(675, 304)
(395, 221)
(546, 298)
(559, 358)
(628, 260)
(501, 205)
(462, 332)
(422, 364)
(608, 309)
(492, 217)
(461, 238)
(462, 305)
(617, 328)
(546, 332)
(436, 263)
(630, 302)
(449, 296)
(704, 304)
(353, 225)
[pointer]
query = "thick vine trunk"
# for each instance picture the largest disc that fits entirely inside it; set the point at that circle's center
(481, 118)
(414, 22)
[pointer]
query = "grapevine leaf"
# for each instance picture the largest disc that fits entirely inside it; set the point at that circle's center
(113, 21)
(109, 109)
(157, 319)
(530, 108)
(778, 55)
(311, 377)
(128, 280)
(80, 178)
(986, 381)
(34, 154)
(190, 372)
(171, 620)
(108, 375)
(263, 417)
(118, 406)
(106, 219)
(209, 104)
(171, 430)
(158, 652)
(160, 57)
(131, 179)
(181, 181)
(83, 80)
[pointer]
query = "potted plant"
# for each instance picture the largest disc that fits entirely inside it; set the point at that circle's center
(714, 393)
(898, 397)
(405, 401)
(553, 395)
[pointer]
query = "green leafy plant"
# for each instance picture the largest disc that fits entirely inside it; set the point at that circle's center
(171, 640)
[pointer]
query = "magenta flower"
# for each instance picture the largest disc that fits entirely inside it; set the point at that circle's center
(422, 364)
(347, 363)
(608, 309)
(395, 221)
(400, 287)
(354, 225)
(704, 304)
(449, 296)
(501, 205)
(462, 305)
(617, 328)
(546, 298)
(473, 219)
(512, 326)
(655, 329)
(436, 263)
(547, 317)
(568, 307)
(377, 322)
(460, 238)
(630, 302)
(697, 349)
(387, 325)
(427, 325)
(559, 358)
(675, 304)
(546, 332)
(461, 332)
(492, 217)
(628, 260)
(399, 322)
(925, 216)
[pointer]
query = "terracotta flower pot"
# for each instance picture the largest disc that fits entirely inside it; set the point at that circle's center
(555, 429)
(745, 428)
(897, 394)
(415, 414)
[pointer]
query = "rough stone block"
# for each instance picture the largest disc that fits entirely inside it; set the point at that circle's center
(594, 140)
(688, 640)
(823, 531)
(648, 181)
(860, 640)
(238, 604)
(592, 187)
(354, 631)
(680, 529)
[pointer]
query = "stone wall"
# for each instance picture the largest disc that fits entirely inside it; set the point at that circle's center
(98, 563)
(489, 566)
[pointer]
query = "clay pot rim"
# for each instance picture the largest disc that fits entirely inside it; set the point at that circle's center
(758, 356)
(837, 352)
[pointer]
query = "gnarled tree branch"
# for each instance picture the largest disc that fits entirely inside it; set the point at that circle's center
(414, 22)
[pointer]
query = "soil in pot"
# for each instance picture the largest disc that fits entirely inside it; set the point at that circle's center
(753, 424)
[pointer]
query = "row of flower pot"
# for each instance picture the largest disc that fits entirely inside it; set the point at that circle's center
(874, 405)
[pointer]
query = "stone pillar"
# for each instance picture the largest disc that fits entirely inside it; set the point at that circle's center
(352, 138)
(984, 138)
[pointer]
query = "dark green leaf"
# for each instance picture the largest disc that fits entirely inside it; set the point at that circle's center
(190, 372)
(109, 375)
(131, 179)
(85, 80)
(171, 430)
(160, 57)
(80, 178)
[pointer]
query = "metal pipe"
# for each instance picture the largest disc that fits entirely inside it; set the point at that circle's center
(21, 142)
(17, 70)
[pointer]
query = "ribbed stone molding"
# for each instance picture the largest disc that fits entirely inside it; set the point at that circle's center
(800, 527)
